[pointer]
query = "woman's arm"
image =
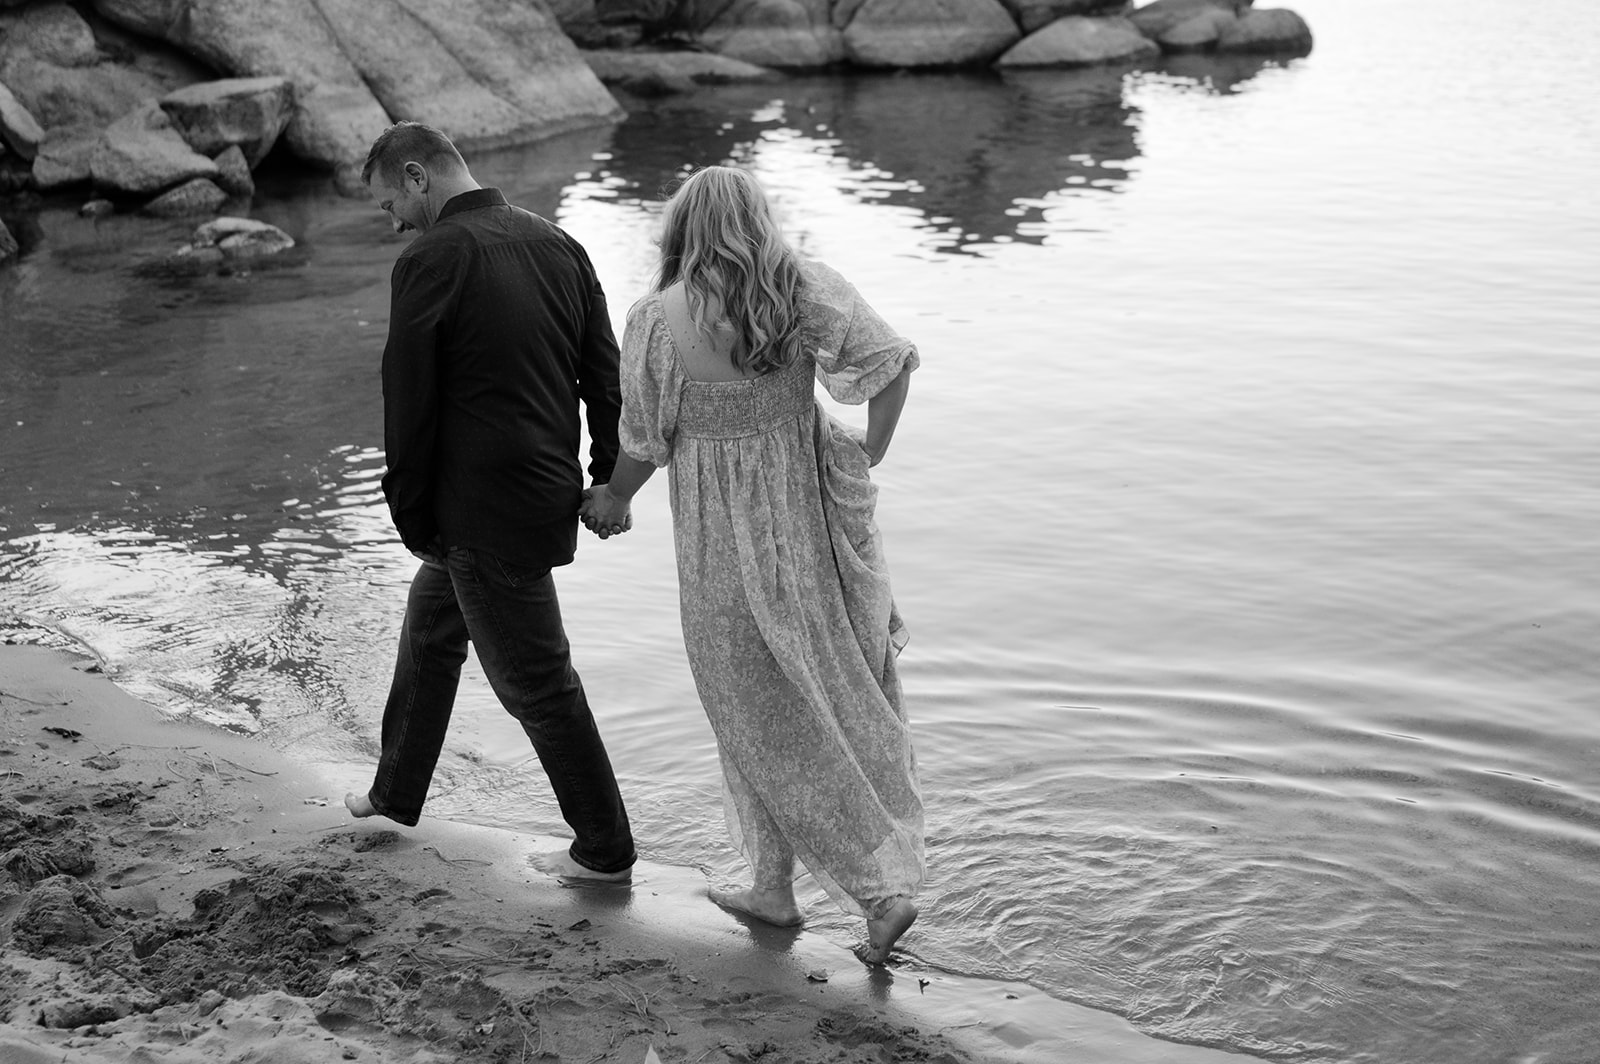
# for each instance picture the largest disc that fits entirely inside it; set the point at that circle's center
(883, 414)
(607, 508)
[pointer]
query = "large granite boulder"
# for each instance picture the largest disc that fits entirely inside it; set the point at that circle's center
(665, 73)
(57, 34)
(141, 153)
(233, 172)
(487, 72)
(1080, 42)
(775, 33)
(76, 71)
(1275, 31)
(1198, 33)
(923, 33)
(19, 130)
(1156, 18)
(1036, 14)
(336, 117)
(248, 113)
(64, 158)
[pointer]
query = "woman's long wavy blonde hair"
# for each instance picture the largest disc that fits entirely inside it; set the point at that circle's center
(720, 238)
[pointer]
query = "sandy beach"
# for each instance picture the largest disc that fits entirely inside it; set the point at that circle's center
(173, 892)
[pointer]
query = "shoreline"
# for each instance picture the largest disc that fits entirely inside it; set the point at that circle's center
(170, 886)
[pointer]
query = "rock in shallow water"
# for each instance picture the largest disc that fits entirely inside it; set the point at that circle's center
(242, 238)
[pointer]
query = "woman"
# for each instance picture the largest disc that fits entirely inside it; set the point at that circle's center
(788, 619)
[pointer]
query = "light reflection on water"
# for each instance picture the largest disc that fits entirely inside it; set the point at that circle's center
(1242, 517)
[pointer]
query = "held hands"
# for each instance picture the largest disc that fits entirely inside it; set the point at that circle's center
(604, 514)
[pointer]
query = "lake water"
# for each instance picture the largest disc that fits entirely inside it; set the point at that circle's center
(1244, 512)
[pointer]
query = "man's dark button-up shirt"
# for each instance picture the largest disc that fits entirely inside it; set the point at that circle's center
(497, 328)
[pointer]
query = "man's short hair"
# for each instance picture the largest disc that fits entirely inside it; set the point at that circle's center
(406, 142)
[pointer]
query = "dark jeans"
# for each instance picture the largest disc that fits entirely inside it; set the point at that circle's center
(513, 620)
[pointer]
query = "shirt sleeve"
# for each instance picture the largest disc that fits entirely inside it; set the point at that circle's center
(598, 384)
(650, 390)
(857, 353)
(420, 302)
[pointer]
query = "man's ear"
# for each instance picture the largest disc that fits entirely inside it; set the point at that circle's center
(416, 175)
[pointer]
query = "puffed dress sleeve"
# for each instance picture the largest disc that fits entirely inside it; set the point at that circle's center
(651, 385)
(857, 353)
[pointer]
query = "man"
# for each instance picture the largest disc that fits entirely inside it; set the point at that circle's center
(497, 329)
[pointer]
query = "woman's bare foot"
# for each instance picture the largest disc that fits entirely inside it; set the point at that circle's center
(775, 907)
(559, 863)
(886, 930)
(360, 806)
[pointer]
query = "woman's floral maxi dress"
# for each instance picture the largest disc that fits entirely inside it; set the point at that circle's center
(788, 619)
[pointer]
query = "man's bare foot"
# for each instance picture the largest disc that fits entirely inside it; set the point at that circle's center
(886, 930)
(775, 907)
(360, 806)
(559, 863)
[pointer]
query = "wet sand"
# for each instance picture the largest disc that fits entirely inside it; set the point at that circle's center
(173, 892)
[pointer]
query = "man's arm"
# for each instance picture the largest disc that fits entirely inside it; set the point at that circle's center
(419, 304)
(598, 387)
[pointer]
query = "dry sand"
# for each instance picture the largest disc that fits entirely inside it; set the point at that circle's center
(173, 893)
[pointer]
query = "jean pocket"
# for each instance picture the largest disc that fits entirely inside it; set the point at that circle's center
(517, 575)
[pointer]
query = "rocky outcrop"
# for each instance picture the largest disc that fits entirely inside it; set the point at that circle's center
(335, 118)
(925, 33)
(248, 113)
(488, 72)
(774, 33)
(140, 154)
(1197, 33)
(79, 73)
(64, 158)
(1268, 32)
(1080, 42)
(1223, 27)
(19, 130)
(1033, 15)
(660, 73)
(1156, 18)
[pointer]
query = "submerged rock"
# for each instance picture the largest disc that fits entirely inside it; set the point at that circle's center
(222, 245)
(242, 237)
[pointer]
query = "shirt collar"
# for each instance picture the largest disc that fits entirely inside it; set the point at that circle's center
(466, 201)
